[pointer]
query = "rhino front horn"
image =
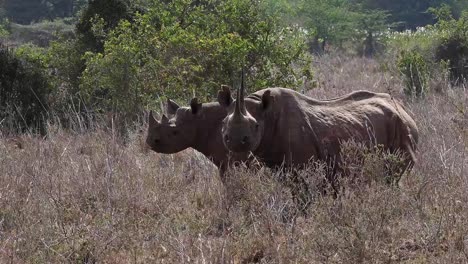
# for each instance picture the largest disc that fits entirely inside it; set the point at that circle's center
(242, 89)
(240, 105)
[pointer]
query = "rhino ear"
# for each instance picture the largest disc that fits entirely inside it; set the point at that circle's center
(171, 107)
(195, 106)
(224, 96)
(267, 100)
(151, 120)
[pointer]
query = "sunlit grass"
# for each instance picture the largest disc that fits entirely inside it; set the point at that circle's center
(85, 197)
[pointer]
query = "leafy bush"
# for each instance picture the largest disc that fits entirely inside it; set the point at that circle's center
(4, 23)
(40, 34)
(98, 18)
(453, 44)
(24, 91)
(414, 68)
(181, 49)
(30, 11)
(445, 43)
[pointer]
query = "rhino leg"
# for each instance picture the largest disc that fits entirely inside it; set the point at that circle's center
(407, 147)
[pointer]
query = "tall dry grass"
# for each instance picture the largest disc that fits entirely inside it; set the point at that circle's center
(88, 197)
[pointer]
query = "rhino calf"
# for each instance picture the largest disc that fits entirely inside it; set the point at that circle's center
(283, 127)
(197, 126)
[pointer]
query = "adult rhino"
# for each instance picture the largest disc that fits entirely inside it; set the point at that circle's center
(285, 128)
(197, 126)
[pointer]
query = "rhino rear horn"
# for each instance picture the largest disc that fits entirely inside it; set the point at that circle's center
(164, 119)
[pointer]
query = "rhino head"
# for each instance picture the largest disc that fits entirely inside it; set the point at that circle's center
(243, 127)
(176, 132)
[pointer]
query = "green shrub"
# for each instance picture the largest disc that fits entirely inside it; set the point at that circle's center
(23, 91)
(453, 44)
(181, 49)
(3, 31)
(415, 71)
(4, 23)
(98, 19)
(446, 42)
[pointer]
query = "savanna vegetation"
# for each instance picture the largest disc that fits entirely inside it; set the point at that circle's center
(78, 183)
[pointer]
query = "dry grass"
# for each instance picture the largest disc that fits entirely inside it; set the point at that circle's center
(87, 197)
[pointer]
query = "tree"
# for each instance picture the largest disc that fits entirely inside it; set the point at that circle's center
(327, 21)
(181, 48)
(23, 92)
(25, 11)
(370, 26)
(338, 21)
(61, 8)
(29, 11)
(408, 14)
(4, 23)
(452, 45)
(98, 19)
(458, 7)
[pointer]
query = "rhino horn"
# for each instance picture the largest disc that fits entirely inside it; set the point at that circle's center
(164, 119)
(152, 121)
(242, 89)
(240, 105)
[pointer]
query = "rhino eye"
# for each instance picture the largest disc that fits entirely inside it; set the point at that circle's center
(175, 132)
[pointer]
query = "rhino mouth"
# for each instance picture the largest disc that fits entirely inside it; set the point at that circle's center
(240, 148)
(163, 149)
(242, 145)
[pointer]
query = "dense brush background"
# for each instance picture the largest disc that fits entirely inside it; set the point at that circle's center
(85, 197)
(78, 184)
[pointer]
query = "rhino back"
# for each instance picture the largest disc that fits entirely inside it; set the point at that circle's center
(300, 128)
(288, 134)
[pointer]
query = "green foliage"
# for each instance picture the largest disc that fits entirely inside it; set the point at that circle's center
(3, 29)
(26, 11)
(98, 19)
(64, 62)
(422, 39)
(327, 21)
(444, 46)
(29, 11)
(4, 23)
(64, 8)
(23, 89)
(340, 21)
(452, 45)
(40, 33)
(370, 26)
(181, 49)
(414, 68)
(408, 14)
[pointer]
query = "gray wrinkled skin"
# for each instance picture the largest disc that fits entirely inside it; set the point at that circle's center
(283, 127)
(197, 126)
